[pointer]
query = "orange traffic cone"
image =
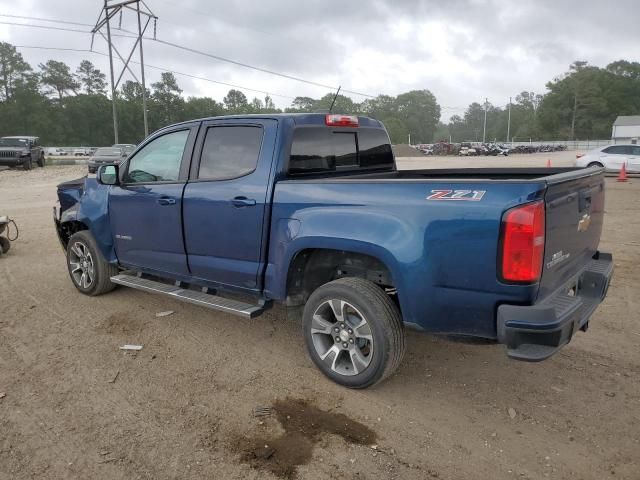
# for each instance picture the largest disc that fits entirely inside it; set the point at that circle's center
(622, 177)
(548, 163)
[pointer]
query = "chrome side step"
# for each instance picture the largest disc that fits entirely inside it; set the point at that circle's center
(203, 299)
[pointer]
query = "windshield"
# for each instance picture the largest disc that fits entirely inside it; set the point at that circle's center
(14, 142)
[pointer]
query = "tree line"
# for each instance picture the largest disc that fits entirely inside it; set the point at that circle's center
(65, 107)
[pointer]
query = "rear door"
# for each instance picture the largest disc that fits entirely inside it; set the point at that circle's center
(225, 201)
(574, 214)
(615, 156)
(145, 210)
(634, 159)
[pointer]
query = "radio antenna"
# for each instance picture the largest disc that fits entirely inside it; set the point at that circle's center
(334, 99)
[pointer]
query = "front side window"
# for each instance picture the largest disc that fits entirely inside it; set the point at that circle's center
(159, 160)
(230, 152)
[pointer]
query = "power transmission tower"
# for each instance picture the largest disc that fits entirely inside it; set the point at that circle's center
(110, 9)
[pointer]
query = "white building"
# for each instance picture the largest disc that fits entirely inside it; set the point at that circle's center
(626, 129)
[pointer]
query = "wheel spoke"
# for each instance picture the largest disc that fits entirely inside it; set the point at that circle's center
(75, 266)
(338, 307)
(359, 361)
(363, 330)
(329, 359)
(321, 325)
(83, 280)
(77, 250)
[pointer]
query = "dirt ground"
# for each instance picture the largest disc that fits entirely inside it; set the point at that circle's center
(214, 396)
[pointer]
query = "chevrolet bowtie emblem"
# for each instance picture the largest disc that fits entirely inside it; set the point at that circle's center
(583, 224)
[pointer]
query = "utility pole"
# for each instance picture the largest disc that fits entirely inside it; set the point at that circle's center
(573, 117)
(110, 9)
(509, 121)
(484, 129)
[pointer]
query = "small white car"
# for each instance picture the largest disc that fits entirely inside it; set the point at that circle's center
(611, 157)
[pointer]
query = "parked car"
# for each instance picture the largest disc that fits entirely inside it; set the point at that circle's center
(612, 157)
(24, 151)
(56, 152)
(81, 152)
(310, 210)
(105, 156)
(127, 148)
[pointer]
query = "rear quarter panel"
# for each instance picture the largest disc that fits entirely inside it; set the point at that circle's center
(441, 254)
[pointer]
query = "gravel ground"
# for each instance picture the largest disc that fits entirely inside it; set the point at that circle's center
(72, 405)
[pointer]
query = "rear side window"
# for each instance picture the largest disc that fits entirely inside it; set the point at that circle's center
(230, 152)
(635, 151)
(321, 149)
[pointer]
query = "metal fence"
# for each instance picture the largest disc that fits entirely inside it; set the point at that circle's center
(570, 144)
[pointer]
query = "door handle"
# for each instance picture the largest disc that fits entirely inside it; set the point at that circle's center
(166, 201)
(243, 202)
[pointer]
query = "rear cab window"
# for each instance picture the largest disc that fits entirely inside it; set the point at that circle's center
(317, 150)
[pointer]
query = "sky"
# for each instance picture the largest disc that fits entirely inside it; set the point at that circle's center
(461, 50)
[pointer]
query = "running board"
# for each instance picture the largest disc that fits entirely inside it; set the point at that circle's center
(214, 302)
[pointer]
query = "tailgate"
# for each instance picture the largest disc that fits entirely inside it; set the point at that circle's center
(574, 214)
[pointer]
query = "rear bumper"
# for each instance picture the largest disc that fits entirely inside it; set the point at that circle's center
(535, 332)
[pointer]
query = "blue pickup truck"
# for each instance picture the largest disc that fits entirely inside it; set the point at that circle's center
(236, 212)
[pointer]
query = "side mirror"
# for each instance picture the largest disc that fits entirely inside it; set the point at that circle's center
(107, 174)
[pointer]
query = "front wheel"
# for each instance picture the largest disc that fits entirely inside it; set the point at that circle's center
(90, 272)
(353, 332)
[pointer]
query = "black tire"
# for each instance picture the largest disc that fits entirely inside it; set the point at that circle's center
(595, 164)
(5, 245)
(101, 270)
(28, 164)
(384, 324)
(41, 160)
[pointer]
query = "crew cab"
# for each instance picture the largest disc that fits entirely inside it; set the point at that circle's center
(237, 212)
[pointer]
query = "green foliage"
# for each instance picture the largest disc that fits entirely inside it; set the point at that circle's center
(91, 79)
(582, 103)
(56, 77)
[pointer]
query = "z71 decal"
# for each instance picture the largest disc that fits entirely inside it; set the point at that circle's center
(463, 195)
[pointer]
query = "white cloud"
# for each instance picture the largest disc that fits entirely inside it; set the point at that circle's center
(461, 50)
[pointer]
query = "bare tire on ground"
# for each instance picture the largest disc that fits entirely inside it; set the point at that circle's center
(353, 332)
(89, 271)
(5, 245)
(27, 165)
(41, 160)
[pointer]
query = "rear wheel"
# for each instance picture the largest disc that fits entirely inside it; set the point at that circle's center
(90, 272)
(27, 165)
(353, 332)
(595, 164)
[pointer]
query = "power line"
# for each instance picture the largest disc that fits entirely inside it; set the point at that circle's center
(155, 67)
(206, 54)
(41, 19)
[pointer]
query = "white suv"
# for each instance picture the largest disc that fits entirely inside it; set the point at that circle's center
(612, 157)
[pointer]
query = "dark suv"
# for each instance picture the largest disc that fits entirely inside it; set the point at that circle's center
(21, 151)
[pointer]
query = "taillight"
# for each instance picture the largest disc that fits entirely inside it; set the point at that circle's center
(335, 120)
(523, 243)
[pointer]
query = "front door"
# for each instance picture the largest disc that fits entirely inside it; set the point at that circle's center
(145, 210)
(225, 201)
